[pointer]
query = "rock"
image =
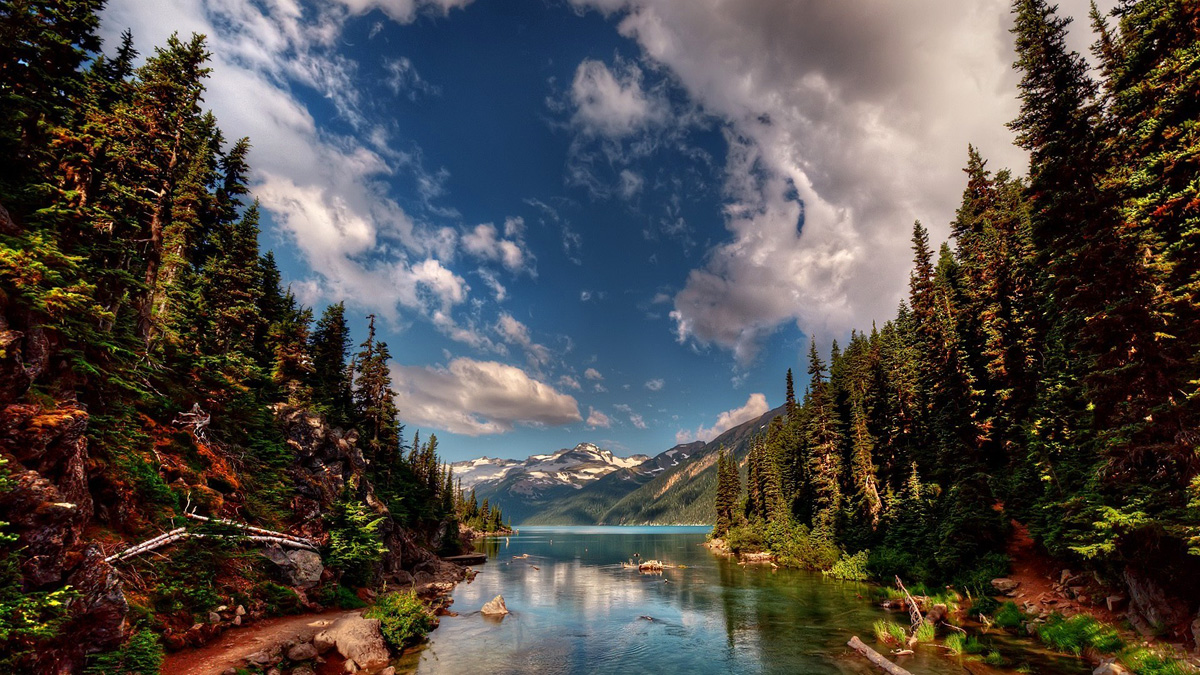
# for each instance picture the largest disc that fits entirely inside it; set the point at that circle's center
(240, 611)
(302, 652)
(350, 667)
(1062, 578)
(1116, 602)
(390, 670)
(303, 670)
(1005, 585)
(229, 671)
(274, 671)
(298, 567)
(265, 657)
(1149, 603)
(323, 642)
(237, 620)
(1110, 667)
(937, 614)
(495, 606)
(358, 640)
(213, 617)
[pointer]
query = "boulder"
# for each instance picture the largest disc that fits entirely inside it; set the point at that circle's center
(1005, 585)
(495, 607)
(358, 640)
(302, 652)
(303, 670)
(1110, 667)
(298, 567)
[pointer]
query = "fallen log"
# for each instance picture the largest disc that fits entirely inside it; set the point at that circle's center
(258, 535)
(250, 528)
(876, 658)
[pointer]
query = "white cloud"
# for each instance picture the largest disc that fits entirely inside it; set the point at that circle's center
(755, 407)
(584, 296)
(516, 333)
(326, 193)
(498, 289)
(862, 111)
(404, 11)
(593, 374)
(637, 421)
(568, 382)
(597, 419)
(599, 388)
(655, 384)
(612, 102)
(476, 398)
(631, 184)
(404, 79)
(485, 242)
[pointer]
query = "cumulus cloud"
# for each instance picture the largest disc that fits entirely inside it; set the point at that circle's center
(476, 398)
(755, 407)
(655, 384)
(516, 333)
(486, 243)
(593, 374)
(845, 122)
(597, 419)
(326, 193)
(634, 418)
(404, 11)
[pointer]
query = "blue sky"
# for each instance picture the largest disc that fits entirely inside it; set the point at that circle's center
(614, 221)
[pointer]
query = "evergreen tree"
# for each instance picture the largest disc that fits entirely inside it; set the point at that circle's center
(331, 373)
(374, 399)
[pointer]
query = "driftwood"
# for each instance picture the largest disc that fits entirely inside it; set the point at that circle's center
(256, 534)
(876, 658)
(914, 610)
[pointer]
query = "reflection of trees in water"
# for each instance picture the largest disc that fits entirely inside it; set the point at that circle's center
(489, 546)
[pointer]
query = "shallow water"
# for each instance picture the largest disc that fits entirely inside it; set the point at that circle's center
(574, 609)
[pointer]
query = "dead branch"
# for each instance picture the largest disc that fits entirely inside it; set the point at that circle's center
(914, 610)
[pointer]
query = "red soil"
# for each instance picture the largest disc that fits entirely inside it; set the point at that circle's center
(233, 646)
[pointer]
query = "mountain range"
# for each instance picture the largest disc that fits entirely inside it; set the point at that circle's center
(588, 485)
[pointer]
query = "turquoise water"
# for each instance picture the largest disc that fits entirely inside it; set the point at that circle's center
(576, 610)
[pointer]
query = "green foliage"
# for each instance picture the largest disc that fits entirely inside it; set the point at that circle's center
(279, 599)
(851, 567)
(142, 654)
(959, 644)
(926, 632)
(1077, 633)
(355, 545)
(403, 618)
(341, 597)
(1010, 616)
(1145, 661)
(890, 633)
(995, 658)
(984, 605)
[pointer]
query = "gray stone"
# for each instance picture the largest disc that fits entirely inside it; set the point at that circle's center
(301, 652)
(298, 567)
(1110, 667)
(358, 640)
(495, 606)
(390, 670)
(213, 617)
(1005, 585)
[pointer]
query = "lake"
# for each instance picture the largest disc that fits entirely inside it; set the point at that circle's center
(574, 609)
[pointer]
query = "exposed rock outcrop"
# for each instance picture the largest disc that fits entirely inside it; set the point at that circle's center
(298, 567)
(357, 639)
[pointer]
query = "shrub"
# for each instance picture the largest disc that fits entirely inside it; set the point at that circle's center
(403, 619)
(926, 632)
(279, 599)
(1077, 633)
(341, 597)
(994, 658)
(355, 545)
(985, 605)
(141, 655)
(850, 567)
(1010, 616)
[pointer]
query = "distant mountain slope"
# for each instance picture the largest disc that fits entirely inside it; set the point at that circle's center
(524, 488)
(682, 493)
(588, 506)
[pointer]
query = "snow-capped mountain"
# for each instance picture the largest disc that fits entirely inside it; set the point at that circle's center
(482, 469)
(519, 485)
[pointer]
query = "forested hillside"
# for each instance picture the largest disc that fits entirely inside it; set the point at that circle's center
(152, 362)
(1046, 365)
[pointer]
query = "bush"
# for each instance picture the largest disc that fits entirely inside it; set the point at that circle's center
(279, 599)
(926, 632)
(850, 567)
(1010, 616)
(978, 579)
(141, 655)
(341, 597)
(1077, 633)
(355, 546)
(402, 617)
(984, 605)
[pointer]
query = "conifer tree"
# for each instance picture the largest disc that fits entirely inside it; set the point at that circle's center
(375, 401)
(331, 372)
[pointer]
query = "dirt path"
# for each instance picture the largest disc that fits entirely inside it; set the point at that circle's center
(1037, 574)
(234, 645)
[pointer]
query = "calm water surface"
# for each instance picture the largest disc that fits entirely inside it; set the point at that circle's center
(576, 610)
